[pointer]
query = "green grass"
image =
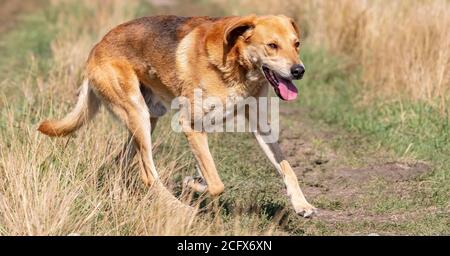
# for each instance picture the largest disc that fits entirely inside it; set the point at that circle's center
(26, 49)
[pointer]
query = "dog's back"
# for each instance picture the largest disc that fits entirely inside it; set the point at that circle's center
(147, 43)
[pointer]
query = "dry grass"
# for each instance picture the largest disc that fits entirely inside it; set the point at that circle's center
(66, 186)
(402, 47)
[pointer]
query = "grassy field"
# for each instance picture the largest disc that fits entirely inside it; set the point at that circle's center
(370, 150)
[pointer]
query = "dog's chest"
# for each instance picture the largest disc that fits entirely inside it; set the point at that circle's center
(225, 106)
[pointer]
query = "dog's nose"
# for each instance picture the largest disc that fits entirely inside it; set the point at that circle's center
(297, 71)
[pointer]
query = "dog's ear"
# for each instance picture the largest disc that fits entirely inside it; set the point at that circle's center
(293, 23)
(238, 27)
(297, 30)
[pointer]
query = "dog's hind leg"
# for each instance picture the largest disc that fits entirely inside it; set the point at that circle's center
(119, 87)
(196, 183)
(128, 151)
(157, 109)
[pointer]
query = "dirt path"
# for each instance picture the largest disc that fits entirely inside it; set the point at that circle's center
(346, 176)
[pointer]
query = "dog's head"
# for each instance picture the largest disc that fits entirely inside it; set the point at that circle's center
(269, 44)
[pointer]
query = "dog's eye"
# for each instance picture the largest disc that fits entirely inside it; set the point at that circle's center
(273, 46)
(297, 44)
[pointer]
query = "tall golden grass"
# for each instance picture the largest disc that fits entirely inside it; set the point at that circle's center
(63, 187)
(402, 46)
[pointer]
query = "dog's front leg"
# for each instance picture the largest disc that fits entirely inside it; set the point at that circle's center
(198, 142)
(275, 155)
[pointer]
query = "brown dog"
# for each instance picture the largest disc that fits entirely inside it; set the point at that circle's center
(139, 67)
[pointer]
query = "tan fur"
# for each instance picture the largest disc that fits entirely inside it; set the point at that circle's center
(140, 66)
(84, 110)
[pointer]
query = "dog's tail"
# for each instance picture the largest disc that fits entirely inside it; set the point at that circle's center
(86, 107)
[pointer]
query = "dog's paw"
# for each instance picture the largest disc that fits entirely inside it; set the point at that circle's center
(305, 210)
(195, 183)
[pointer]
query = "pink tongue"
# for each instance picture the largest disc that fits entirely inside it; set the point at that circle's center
(287, 89)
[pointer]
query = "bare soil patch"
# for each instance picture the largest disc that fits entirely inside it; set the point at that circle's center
(393, 172)
(337, 170)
